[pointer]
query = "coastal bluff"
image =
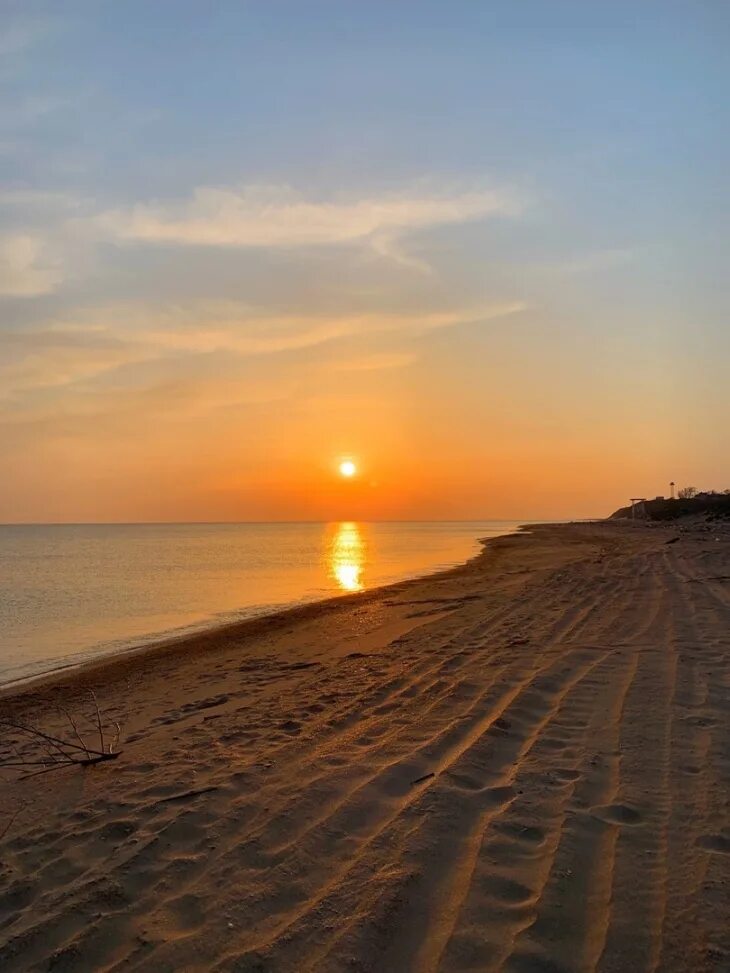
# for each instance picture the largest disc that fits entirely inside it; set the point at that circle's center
(710, 505)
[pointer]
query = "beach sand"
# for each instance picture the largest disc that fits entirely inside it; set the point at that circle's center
(521, 764)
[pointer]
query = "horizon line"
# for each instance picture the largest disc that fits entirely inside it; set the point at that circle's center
(219, 523)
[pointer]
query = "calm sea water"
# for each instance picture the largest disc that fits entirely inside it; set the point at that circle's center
(68, 592)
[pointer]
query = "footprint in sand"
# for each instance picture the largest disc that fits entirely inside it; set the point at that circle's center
(702, 722)
(718, 843)
(290, 726)
(617, 814)
(506, 890)
(527, 833)
(565, 775)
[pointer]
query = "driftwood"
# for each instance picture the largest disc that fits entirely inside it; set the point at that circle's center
(51, 752)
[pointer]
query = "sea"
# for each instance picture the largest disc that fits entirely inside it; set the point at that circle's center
(74, 592)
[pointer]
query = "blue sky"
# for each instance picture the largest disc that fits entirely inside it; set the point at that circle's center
(212, 213)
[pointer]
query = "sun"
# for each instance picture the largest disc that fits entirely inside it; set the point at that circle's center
(347, 468)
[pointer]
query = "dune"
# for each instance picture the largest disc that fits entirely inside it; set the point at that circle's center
(519, 765)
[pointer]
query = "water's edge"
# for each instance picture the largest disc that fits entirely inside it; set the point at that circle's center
(68, 668)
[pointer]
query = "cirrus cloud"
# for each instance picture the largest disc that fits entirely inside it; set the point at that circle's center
(279, 216)
(27, 267)
(95, 343)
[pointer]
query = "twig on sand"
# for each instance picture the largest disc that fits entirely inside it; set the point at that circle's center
(420, 780)
(11, 822)
(98, 720)
(184, 795)
(53, 752)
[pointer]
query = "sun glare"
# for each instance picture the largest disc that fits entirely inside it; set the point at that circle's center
(347, 468)
(347, 556)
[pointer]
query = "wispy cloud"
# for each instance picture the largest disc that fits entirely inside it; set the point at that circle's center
(46, 241)
(97, 342)
(278, 216)
(59, 234)
(27, 267)
(388, 244)
(221, 327)
(231, 327)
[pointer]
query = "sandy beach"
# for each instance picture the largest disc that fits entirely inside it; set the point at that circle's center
(520, 764)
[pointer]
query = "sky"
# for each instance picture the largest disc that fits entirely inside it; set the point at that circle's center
(479, 249)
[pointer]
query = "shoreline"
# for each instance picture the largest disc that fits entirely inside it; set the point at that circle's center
(243, 627)
(518, 763)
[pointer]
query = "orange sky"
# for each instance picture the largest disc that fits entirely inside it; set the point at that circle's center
(479, 418)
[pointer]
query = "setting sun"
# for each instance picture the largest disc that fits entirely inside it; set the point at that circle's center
(348, 468)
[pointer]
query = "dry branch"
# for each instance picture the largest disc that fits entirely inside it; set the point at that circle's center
(51, 752)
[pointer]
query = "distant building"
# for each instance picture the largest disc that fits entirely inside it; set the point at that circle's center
(658, 498)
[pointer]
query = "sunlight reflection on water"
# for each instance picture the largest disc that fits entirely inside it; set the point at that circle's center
(347, 556)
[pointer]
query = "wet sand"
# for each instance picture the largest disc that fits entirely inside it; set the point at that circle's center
(518, 765)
